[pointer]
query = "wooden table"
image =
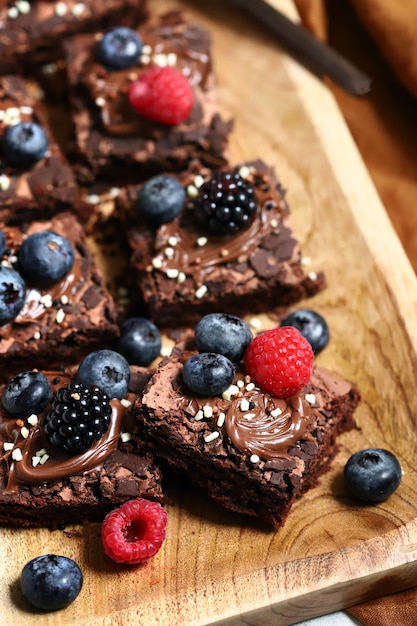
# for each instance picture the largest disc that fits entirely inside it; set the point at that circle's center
(220, 567)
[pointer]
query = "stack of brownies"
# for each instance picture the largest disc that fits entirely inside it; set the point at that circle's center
(110, 61)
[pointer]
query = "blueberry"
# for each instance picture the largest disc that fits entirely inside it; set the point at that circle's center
(372, 475)
(311, 325)
(107, 369)
(161, 199)
(26, 393)
(24, 144)
(51, 582)
(119, 49)
(2, 243)
(12, 294)
(45, 258)
(208, 374)
(139, 341)
(222, 333)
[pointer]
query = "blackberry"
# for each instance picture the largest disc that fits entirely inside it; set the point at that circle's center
(79, 416)
(225, 204)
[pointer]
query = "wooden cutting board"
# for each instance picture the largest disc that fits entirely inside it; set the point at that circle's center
(217, 567)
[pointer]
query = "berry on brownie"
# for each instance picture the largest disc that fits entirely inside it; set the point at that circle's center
(280, 361)
(45, 258)
(162, 94)
(51, 582)
(226, 204)
(24, 144)
(79, 416)
(119, 48)
(311, 325)
(140, 341)
(2, 243)
(208, 374)
(12, 294)
(26, 393)
(161, 199)
(224, 334)
(107, 370)
(134, 532)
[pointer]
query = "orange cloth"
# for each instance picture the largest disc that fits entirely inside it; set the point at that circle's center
(380, 37)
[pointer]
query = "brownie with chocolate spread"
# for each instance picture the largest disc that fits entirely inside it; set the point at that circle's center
(183, 271)
(115, 143)
(250, 451)
(43, 487)
(31, 32)
(36, 185)
(58, 324)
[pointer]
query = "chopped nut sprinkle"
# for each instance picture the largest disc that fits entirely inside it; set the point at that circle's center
(276, 412)
(202, 241)
(244, 405)
(23, 6)
(8, 445)
(254, 458)
(207, 410)
(125, 437)
(60, 316)
(199, 415)
(212, 436)
(249, 416)
(60, 9)
(230, 392)
(192, 191)
(157, 262)
(24, 432)
(126, 403)
(221, 419)
(13, 12)
(310, 398)
(17, 454)
(201, 292)
(32, 419)
(78, 9)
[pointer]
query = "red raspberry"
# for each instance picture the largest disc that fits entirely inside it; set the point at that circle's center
(134, 532)
(280, 361)
(162, 94)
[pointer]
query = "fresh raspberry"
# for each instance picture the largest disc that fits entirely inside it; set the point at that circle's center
(134, 532)
(162, 94)
(280, 361)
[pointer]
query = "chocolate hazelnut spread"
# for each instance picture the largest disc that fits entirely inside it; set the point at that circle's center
(191, 258)
(255, 422)
(58, 465)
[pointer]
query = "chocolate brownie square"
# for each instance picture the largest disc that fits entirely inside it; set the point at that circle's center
(57, 325)
(114, 142)
(31, 33)
(183, 271)
(41, 188)
(250, 451)
(43, 486)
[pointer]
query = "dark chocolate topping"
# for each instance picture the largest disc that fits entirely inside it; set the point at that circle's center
(32, 467)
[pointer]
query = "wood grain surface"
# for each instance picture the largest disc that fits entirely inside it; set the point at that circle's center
(217, 567)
